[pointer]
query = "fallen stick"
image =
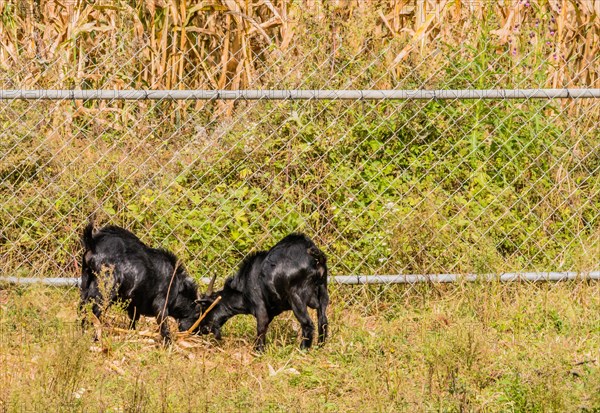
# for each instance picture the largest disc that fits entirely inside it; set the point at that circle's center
(187, 333)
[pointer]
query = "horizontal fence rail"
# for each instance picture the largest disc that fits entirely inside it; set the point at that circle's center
(368, 279)
(299, 94)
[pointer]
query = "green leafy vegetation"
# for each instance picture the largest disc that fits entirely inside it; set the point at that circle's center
(383, 187)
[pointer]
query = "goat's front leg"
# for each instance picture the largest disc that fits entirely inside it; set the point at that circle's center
(161, 318)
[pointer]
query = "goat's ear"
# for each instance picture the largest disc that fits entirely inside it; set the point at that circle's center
(187, 284)
(236, 284)
(88, 256)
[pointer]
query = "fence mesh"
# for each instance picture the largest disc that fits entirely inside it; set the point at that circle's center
(384, 187)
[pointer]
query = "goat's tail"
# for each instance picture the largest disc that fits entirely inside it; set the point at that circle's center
(89, 246)
(321, 259)
(88, 237)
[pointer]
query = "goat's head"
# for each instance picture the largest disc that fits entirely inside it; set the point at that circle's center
(206, 301)
(186, 308)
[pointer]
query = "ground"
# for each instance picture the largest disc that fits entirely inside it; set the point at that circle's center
(490, 347)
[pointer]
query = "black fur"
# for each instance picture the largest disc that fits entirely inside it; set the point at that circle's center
(138, 275)
(290, 276)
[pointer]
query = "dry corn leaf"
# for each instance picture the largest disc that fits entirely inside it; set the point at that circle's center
(418, 35)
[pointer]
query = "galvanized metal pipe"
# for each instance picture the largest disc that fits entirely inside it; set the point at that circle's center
(452, 278)
(370, 279)
(258, 94)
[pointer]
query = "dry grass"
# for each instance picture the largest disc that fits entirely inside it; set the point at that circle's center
(464, 347)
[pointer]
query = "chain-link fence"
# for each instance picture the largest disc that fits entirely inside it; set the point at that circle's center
(384, 187)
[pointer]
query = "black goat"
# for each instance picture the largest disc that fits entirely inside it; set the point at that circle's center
(290, 276)
(151, 281)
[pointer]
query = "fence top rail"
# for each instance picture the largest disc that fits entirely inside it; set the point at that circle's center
(257, 94)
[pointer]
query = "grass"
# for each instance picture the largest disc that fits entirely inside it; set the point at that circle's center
(463, 347)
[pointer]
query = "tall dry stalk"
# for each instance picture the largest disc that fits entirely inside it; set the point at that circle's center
(226, 44)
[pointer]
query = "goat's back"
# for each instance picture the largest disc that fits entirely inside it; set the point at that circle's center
(295, 257)
(133, 266)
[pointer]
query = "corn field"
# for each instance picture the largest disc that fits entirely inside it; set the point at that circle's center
(386, 187)
(239, 44)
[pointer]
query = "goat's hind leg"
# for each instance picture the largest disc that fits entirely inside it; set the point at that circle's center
(323, 326)
(319, 301)
(262, 324)
(308, 328)
(83, 310)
